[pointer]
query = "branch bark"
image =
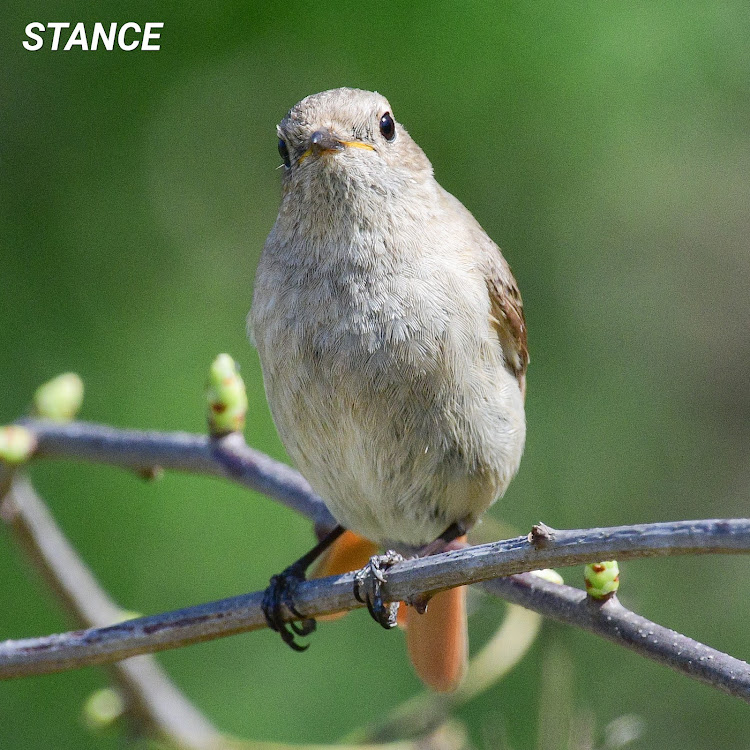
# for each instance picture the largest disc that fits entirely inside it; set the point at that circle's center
(429, 575)
(610, 620)
(152, 700)
(155, 706)
(144, 452)
(231, 458)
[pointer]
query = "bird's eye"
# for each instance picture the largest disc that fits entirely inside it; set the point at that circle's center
(284, 153)
(387, 127)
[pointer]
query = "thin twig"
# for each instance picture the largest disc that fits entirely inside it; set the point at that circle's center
(610, 620)
(405, 580)
(143, 451)
(152, 699)
(231, 458)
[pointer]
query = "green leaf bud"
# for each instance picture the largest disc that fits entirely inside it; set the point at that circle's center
(17, 444)
(59, 398)
(103, 708)
(549, 575)
(602, 579)
(226, 395)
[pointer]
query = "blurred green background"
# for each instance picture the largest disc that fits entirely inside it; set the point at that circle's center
(604, 146)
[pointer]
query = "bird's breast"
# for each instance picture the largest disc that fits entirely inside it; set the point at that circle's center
(387, 384)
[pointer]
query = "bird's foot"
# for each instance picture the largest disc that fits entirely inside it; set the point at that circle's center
(368, 584)
(279, 595)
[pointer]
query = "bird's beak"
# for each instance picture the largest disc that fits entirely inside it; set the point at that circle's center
(324, 142)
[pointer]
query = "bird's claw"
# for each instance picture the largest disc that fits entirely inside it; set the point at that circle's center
(368, 585)
(278, 596)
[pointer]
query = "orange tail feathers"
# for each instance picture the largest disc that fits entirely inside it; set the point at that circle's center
(437, 641)
(349, 552)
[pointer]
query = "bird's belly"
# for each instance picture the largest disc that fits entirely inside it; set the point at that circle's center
(401, 422)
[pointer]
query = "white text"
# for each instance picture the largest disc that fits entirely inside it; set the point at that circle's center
(128, 37)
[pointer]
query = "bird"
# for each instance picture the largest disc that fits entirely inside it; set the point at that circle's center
(392, 341)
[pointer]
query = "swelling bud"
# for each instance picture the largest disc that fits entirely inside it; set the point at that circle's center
(226, 395)
(602, 579)
(59, 398)
(102, 709)
(17, 444)
(550, 575)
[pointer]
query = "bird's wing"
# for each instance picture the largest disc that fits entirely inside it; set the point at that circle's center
(506, 307)
(507, 312)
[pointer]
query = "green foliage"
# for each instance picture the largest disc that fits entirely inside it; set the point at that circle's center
(602, 145)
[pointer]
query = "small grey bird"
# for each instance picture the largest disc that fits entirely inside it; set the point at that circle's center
(391, 336)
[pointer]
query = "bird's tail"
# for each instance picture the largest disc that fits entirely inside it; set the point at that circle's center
(437, 640)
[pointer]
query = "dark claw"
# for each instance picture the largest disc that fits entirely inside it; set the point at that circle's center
(370, 580)
(279, 595)
(384, 614)
(303, 628)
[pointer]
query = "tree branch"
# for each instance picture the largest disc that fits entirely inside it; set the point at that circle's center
(144, 451)
(231, 458)
(429, 575)
(152, 699)
(610, 620)
(154, 704)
